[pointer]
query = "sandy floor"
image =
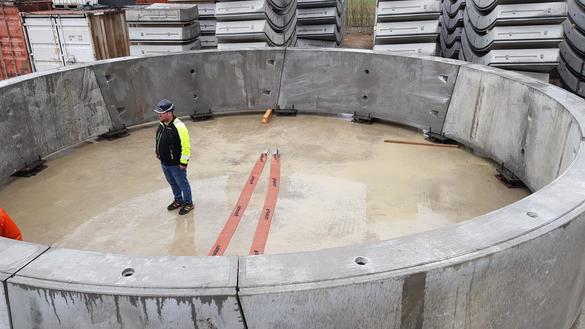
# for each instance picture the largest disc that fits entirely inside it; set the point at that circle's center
(341, 184)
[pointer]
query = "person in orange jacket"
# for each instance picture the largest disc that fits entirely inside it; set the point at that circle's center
(8, 228)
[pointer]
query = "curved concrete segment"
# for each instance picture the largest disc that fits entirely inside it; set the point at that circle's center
(519, 267)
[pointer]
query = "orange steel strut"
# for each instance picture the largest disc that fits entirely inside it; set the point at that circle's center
(226, 234)
(261, 235)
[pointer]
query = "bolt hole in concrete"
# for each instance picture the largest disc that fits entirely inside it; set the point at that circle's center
(365, 97)
(128, 272)
(195, 96)
(361, 260)
(367, 71)
(532, 214)
(340, 185)
(192, 71)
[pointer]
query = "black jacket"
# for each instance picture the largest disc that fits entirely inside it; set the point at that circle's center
(172, 143)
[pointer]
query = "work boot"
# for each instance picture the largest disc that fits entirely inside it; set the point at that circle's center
(186, 209)
(175, 205)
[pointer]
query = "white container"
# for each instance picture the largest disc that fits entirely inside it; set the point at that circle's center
(61, 38)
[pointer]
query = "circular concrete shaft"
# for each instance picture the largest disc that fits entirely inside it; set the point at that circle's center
(520, 266)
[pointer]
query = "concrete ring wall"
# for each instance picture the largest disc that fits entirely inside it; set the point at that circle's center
(521, 266)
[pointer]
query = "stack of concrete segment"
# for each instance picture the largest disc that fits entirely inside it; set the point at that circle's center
(522, 36)
(451, 24)
(572, 63)
(320, 23)
(162, 28)
(207, 21)
(255, 23)
(407, 26)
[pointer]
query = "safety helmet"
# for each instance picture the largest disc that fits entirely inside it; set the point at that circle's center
(164, 106)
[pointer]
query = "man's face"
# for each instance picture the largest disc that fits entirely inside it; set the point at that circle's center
(166, 117)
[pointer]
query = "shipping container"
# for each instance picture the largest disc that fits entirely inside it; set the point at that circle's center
(60, 37)
(14, 56)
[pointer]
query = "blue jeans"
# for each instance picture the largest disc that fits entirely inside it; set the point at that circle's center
(177, 178)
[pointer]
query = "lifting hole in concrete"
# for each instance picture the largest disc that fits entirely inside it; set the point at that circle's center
(121, 110)
(367, 71)
(270, 61)
(266, 92)
(532, 214)
(128, 272)
(108, 77)
(365, 97)
(195, 96)
(360, 260)
(443, 78)
(522, 151)
(192, 71)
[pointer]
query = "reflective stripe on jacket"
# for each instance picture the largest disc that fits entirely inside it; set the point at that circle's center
(172, 143)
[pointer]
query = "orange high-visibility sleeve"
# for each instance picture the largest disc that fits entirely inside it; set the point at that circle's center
(8, 228)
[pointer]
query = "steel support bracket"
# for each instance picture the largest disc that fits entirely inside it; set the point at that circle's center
(507, 177)
(285, 112)
(31, 169)
(202, 116)
(116, 133)
(438, 138)
(361, 118)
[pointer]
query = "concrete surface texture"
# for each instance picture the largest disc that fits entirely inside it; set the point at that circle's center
(521, 266)
(341, 185)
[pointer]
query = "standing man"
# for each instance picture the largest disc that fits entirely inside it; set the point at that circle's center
(7, 227)
(174, 149)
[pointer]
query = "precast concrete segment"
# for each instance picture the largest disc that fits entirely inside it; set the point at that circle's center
(467, 266)
(388, 11)
(44, 113)
(220, 81)
(500, 37)
(572, 58)
(452, 8)
(517, 14)
(76, 289)
(407, 90)
(14, 255)
(541, 142)
(536, 60)
(489, 5)
(424, 49)
(162, 33)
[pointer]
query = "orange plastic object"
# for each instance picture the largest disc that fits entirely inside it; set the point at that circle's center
(226, 234)
(266, 117)
(8, 228)
(263, 227)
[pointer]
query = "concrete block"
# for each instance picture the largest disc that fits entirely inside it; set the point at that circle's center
(248, 83)
(76, 289)
(317, 81)
(13, 256)
(47, 112)
(513, 125)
